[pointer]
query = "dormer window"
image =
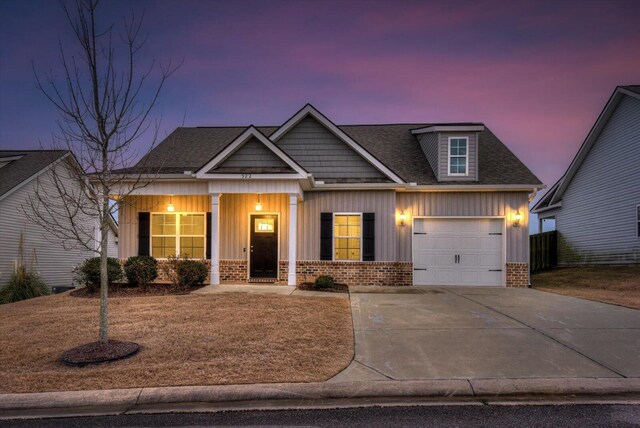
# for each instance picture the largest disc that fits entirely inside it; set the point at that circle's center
(458, 156)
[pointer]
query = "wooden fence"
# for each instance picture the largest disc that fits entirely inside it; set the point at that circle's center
(544, 251)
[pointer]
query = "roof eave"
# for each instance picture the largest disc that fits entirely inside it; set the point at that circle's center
(448, 128)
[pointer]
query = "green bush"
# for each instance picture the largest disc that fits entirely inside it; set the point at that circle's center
(191, 272)
(324, 281)
(141, 270)
(23, 285)
(88, 273)
(185, 273)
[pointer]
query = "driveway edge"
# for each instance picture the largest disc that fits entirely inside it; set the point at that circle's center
(119, 401)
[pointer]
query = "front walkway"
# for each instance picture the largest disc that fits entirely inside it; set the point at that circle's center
(470, 333)
(265, 289)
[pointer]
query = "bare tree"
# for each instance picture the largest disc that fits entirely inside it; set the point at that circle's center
(104, 101)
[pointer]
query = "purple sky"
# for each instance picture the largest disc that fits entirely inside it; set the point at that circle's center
(537, 73)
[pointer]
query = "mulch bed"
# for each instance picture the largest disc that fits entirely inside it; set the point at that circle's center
(125, 290)
(99, 352)
(337, 288)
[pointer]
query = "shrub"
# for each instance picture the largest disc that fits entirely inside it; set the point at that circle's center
(141, 270)
(324, 281)
(184, 273)
(191, 272)
(23, 285)
(88, 273)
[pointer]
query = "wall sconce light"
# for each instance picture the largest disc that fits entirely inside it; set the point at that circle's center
(517, 218)
(258, 204)
(403, 218)
(170, 207)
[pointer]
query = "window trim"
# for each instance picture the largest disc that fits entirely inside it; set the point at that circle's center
(333, 234)
(178, 235)
(638, 221)
(466, 157)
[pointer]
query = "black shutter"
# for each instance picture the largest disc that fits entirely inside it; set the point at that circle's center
(326, 236)
(208, 240)
(368, 237)
(144, 226)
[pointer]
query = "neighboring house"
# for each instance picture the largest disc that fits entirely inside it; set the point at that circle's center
(596, 203)
(20, 172)
(403, 204)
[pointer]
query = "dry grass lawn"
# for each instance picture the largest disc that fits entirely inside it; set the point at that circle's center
(186, 340)
(619, 285)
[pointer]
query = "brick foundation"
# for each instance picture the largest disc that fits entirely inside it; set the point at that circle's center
(233, 271)
(518, 275)
(350, 273)
(357, 273)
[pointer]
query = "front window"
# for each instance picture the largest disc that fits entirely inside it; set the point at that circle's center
(179, 233)
(347, 236)
(458, 155)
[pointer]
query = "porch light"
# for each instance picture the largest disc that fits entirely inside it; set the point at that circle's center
(258, 204)
(517, 218)
(403, 218)
(170, 207)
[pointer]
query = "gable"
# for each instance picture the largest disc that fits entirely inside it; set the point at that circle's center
(324, 155)
(610, 167)
(252, 156)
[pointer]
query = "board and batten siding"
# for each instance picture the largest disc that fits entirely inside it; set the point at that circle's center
(443, 163)
(52, 260)
(323, 154)
(129, 208)
(460, 204)
(382, 203)
(253, 154)
(234, 218)
(597, 222)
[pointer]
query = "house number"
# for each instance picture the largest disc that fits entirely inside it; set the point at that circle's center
(246, 175)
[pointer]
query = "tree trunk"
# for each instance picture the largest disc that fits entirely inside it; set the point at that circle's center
(104, 278)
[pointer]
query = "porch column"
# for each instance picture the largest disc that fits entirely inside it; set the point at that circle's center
(293, 237)
(215, 239)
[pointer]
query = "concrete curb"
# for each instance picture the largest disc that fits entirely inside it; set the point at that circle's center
(118, 401)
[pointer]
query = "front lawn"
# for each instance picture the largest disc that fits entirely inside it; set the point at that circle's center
(619, 285)
(186, 340)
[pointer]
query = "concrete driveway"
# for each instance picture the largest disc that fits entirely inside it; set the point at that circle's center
(470, 333)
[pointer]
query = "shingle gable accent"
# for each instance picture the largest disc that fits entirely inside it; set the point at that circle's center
(252, 156)
(251, 135)
(311, 111)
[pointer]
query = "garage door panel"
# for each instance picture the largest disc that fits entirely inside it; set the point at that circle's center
(478, 242)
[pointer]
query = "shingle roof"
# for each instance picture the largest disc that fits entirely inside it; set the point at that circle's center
(188, 149)
(30, 163)
(632, 88)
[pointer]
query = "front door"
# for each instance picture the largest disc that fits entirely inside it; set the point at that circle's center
(263, 246)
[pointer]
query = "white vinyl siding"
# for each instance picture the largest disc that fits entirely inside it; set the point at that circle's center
(53, 261)
(597, 222)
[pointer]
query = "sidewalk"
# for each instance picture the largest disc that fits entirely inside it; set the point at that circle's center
(306, 395)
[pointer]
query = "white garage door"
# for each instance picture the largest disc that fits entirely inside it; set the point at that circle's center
(458, 251)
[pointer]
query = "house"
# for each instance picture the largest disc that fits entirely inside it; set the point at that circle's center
(20, 172)
(596, 203)
(402, 204)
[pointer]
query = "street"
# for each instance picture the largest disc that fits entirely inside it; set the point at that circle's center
(578, 415)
